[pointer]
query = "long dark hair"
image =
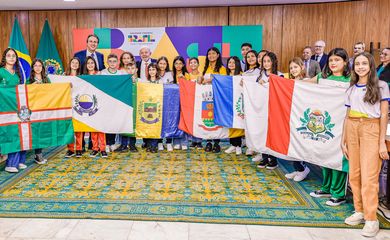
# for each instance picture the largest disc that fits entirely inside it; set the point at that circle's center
(161, 59)
(246, 56)
(85, 69)
(373, 95)
(43, 73)
(218, 64)
(183, 70)
(237, 69)
(274, 60)
(121, 64)
(340, 52)
(16, 66)
(69, 69)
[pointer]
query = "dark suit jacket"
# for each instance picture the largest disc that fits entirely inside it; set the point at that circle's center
(314, 68)
(82, 55)
(323, 60)
(138, 63)
(385, 74)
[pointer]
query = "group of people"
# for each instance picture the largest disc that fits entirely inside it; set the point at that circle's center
(363, 140)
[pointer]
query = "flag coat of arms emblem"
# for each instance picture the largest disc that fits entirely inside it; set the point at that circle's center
(101, 103)
(158, 111)
(197, 112)
(35, 116)
(305, 121)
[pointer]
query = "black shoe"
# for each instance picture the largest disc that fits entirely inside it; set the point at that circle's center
(103, 154)
(320, 194)
(121, 148)
(78, 154)
(335, 201)
(209, 147)
(153, 150)
(148, 149)
(69, 154)
(133, 149)
(272, 164)
(193, 145)
(93, 153)
(263, 163)
(216, 148)
(199, 145)
(83, 150)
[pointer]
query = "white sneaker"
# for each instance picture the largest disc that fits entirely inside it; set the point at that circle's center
(291, 175)
(257, 158)
(231, 149)
(249, 152)
(302, 175)
(176, 147)
(108, 148)
(238, 150)
(370, 229)
(114, 147)
(11, 169)
(169, 147)
(160, 147)
(22, 166)
(355, 219)
(184, 147)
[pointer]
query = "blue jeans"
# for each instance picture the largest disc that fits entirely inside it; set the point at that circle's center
(15, 158)
(182, 141)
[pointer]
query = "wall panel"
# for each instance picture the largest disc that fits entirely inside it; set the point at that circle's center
(211, 16)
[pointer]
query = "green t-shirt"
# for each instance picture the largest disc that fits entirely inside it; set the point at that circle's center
(334, 78)
(8, 79)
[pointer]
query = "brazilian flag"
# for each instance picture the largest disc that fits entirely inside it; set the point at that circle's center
(17, 42)
(48, 53)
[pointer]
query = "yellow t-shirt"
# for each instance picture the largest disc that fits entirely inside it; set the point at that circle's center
(193, 77)
(222, 71)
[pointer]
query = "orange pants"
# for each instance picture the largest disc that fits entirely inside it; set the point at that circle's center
(79, 141)
(98, 141)
(362, 136)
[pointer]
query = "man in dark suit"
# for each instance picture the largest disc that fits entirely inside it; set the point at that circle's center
(142, 65)
(92, 43)
(312, 67)
(319, 55)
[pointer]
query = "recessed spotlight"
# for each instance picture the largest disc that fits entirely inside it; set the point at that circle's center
(69, 0)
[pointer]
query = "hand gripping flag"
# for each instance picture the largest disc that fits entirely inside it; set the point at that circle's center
(35, 116)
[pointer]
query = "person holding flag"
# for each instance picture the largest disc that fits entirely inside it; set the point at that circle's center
(10, 76)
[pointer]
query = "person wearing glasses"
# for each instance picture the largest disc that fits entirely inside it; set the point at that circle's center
(320, 56)
(383, 69)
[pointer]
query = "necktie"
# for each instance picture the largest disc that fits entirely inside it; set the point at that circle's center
(317, 57)
(93, 55)
(146, 70)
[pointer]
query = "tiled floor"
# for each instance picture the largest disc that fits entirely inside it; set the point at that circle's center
(11, 228)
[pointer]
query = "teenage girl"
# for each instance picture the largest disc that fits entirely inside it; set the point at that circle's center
(153, 77)
(10, 76)
(363, 141)
(213, 65)
(38, 76)
(297, 72)
(98, 138)
(164, 71)
(74, 69)
(334, 181)
(269, 66)
(234, 69)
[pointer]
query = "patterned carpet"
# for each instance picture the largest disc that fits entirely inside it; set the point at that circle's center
(180, 186)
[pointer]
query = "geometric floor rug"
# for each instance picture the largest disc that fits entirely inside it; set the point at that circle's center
(187, 186)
